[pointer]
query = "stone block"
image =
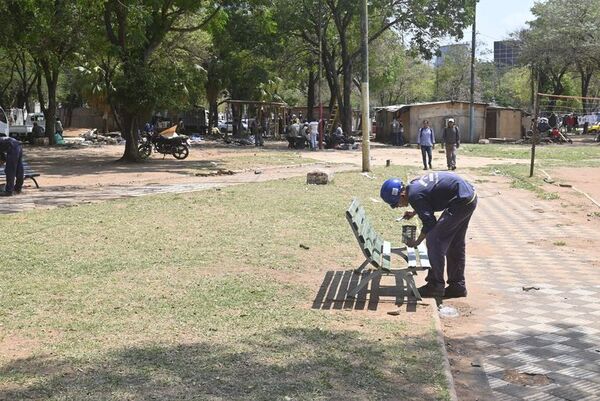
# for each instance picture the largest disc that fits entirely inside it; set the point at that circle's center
(319, 177)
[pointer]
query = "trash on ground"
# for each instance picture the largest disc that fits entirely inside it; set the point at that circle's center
(531, 288)
(372, 177)
(304, 247)
(446, 311)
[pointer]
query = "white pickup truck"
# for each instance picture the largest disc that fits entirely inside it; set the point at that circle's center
(22, 129)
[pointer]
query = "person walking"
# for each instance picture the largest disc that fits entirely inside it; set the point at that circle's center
(426, 141)
(451, 140)
(457, 200)
(11, 153)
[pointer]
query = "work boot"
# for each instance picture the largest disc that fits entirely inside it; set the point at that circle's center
(430, 168)
(5, 193)
(428, 291)
(455, 291)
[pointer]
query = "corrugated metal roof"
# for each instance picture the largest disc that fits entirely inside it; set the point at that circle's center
(392, 109)
(395, 108)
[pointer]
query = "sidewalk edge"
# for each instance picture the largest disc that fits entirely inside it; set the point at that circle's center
(442, 343)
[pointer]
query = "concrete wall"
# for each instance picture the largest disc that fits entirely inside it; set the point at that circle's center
(437, 115)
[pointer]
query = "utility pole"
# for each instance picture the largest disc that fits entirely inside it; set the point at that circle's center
(472, 103)
(366, 121)
(321, 122)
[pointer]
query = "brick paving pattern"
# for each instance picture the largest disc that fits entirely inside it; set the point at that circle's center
(552, 333)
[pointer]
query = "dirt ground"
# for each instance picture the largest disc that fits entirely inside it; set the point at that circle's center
(84, 166)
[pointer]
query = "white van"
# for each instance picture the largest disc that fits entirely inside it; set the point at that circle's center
(4, 128)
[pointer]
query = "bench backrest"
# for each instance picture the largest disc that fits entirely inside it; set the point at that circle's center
(371, 243)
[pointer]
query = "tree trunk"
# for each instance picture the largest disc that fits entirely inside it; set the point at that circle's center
(212, 96)
(586, 77)
(310, 101)
(346, 106)
(51, 78)
(128, 132)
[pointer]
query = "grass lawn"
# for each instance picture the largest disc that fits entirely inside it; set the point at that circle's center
(547, 156)
(203, 296)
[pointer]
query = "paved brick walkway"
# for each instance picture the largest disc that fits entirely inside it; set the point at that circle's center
(539, 345)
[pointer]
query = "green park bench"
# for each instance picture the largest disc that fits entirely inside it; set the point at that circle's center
(378, 253)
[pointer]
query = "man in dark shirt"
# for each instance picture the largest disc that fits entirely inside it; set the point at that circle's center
(12, 153)
(451, 140)
(456, 199)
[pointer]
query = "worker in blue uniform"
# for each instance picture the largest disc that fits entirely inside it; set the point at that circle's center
(456, 198)
(11, 153)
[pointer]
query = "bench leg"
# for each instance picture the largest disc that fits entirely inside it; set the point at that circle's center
(410, 284)
(35, 182)
(360, 269)
(363, 284)
(408, 278)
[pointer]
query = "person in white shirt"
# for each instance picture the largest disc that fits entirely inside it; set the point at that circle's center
(313, 128)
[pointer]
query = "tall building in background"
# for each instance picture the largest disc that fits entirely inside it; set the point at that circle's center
(456, 48)
(506, 53)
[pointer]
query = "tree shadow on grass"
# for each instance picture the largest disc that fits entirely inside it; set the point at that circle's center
(62, 164)
(292, 363)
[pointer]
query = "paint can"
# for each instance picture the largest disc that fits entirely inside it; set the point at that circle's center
(409, 232)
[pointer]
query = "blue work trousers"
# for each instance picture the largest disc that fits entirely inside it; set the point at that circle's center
(426, 153)
(14, 171)
(446, 243)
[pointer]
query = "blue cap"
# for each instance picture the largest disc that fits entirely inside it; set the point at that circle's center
(390, 191)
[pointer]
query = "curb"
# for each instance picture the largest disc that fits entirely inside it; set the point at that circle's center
(440, 339)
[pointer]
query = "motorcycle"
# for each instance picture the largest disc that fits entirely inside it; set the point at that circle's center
(178, 146)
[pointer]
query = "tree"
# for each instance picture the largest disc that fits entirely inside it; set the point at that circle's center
(396, 75)
(552, 47)
(452, 78)
(136, 30)
(423, 22)
(51, 31)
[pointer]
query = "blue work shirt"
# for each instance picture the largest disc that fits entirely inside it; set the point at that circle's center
(426, 137)
(435, 192)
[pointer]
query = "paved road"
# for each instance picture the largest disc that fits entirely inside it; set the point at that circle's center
(542, 344)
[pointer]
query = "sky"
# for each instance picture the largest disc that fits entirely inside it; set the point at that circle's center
(496, 19)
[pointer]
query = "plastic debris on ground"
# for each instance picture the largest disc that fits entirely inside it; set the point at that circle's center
(92, 137)
(446, 311)
(196, 139)
(372, 177)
